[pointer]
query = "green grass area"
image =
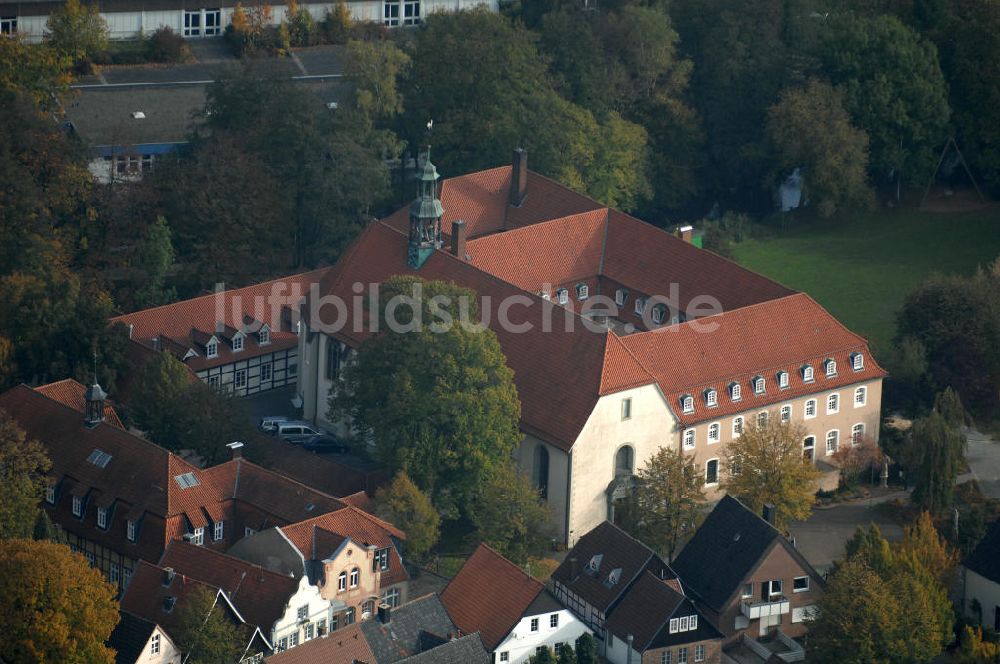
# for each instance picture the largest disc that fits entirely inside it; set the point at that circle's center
(862, 267)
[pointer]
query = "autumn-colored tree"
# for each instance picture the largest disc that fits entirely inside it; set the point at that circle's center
(206, 632)
(922, 541)
(509, 514)
(337, 23)
(77, 31)
(404, 505)
(974, 650)
(23, 464)
(765, 465)
(56, 608)
(857, 460)
(35, 70)
(239, 22)
(668, 498)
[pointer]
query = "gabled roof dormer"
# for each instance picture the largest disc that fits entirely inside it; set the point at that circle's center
(237, 341)
(264, 335)
(735, 391)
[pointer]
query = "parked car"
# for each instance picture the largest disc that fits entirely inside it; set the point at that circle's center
(324, 443)
(296, 432)
(269, 423)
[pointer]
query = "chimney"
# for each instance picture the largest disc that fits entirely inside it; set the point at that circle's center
(384, 614)
(236, 447)
(685, 233)
(519, 177)
(168, 576)
(458, 231)
(768, 513)
(574, 570)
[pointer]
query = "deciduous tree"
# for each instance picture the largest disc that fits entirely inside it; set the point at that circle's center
(56, 608)
(939, 449)
(669, 496)
(765, 465)
(403, 504)
(586, 649)
(206, 633)
(23, 464)
(77, 31)
(509, 514)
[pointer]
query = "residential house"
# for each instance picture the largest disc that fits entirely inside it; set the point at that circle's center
(597, 581)
(614, 351)
(126, 18)
(160, 595)
(119, 499)
(242, 341)
(981, 580)
(139, 641)
(515, 614)
(345, 646)
(420, 625)
(352, 558)
(656, 624)
(746, 577)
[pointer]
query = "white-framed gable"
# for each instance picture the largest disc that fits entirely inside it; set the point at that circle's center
(532, 631)
(306, 615)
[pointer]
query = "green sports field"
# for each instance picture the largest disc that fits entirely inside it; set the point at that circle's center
(861, 268)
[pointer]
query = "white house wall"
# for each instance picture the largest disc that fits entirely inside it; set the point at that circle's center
(284, 372)
(522, 643)
(618, 652)
(319, 609)
(987, 592)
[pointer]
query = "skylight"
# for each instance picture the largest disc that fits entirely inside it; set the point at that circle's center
(187, 480)
(99, 458)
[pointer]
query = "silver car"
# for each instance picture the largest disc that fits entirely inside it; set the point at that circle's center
(296, 432)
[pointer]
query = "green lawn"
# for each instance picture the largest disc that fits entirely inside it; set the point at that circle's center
(861, 268)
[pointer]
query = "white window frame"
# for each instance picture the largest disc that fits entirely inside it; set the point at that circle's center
(390, 597)
(833, 403)
(621, 296)
(658, 314)
(115, 573)
(858, 362)
(342, 582)
(237, 343)
(355, 577)
(830, 367)
(154, 645)
(505, 656)
(759, 385)
(626, 408)
(8, 25)
(582, 292)
(239, 379)
(699, 653)
(198, 536)
(836, 441)
(857, 433)
(212, 349)
(534, 625)
(562, 296)
(738, 424)
(266, 372)
(130, 530)
(102, 517)
(264, 336)
(687, 403)
(554, 621)
(735, 392)
(863, 393)
(711, 398)
(717, 428)
(682, 625)
(771, 587)
(785, 414)
(50, 494)
(640, 305)
(77, 506)
(800, 590)
(708, 464)
(380, 561)
(218, 530)
(673, 625)
(783, 380)
(810, 405)
(192, 28)
(689, 438)
(762, 418)
(808, 375)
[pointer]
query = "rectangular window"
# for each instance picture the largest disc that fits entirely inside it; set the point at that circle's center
(147, 162)
(302, 613)
(640, 305)
(114, 575)
(682, 656)
(390, 13)
(309, 631)
(783, 379)
(391, 597)
(699, 653)
(102, 517)
(282, 644)
(714, 432)
(620, 296)
(673, 625)
(534, 624)
(747, 590)
(665, 657)
(712, 472)
(381, 560)
(240, 380)
(199, 536)
(213, 22)
(775, 587)
(786, 414)
(154, 645)
(682, 624)
(192, 23)
(89, 555)
(293, 639)
(800, 584)
(810, 411)
(50, 495)
(554, 620)
(689, 438)
(211, 349)
(213, 382)
(8, 25)
(218, 529)
(693, 622)
(237, 343)
(130, 530)
(832, 403)
(77, 506)
(265, 372)
(505, 656)
(860, 397)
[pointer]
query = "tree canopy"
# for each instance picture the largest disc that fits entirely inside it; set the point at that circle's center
(404, 505)
(206, 633)
(23, 464)
(668, 499)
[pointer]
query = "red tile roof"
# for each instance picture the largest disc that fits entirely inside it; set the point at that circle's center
(146, 595)
(261, 596)
(71, 393)
(342, 646)
(188, 324)
(489, 595)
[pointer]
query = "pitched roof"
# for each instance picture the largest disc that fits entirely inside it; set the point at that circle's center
(320, 536)
(489, 595)
(103, 115)
(148, 596)
(985, 558)
(408, 630)
(343, 646)
(129, 638)
(71, 393)
(260, 595)
(726, 548)
(189, 324)
(465, 650)
(607, 547)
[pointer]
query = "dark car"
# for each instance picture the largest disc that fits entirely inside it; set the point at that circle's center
(322, 443)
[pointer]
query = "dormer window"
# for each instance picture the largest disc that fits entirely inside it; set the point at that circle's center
(102, 517)
(212, 348)
(264, 336)
(711, 398)
(783, 379)
(687, 403)
(545, 295)
(77, 506)
(562, 296)
(615, 576)
(640, 305)
(658, 314)
(594, 565)
(582, 291)
(830, 366)
(237, 342)
(621, 295)
(857, 361)
(758, 385)
(50, 494)
(130, 530)
(807, 373)
(735, 392)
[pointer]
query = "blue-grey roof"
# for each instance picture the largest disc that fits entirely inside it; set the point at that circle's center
(416, 626)
(129, 638)
(985, 559)
(466, 650)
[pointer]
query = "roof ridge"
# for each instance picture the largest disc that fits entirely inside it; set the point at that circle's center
(531, 579)
(540, 224)
(215, 552)
(602, 388)
(119, 317)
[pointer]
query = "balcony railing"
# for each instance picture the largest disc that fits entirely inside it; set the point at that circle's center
(775, 605)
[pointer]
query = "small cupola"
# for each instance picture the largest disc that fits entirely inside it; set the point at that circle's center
(94, 398)
(425, 215)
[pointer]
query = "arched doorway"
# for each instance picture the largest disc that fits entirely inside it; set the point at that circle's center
(624, 461)
(541, 470)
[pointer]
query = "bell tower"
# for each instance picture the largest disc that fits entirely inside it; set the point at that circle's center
(425, 216)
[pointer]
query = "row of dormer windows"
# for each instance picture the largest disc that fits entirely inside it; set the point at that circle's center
(212, 347)
(759, 384)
